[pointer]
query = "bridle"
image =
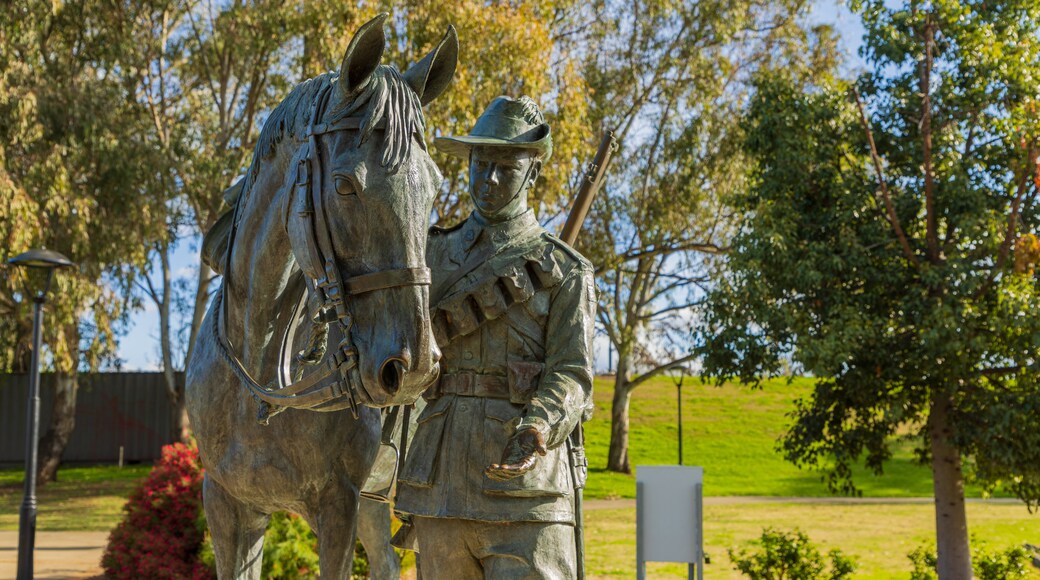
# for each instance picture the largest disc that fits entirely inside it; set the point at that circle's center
(324, 281)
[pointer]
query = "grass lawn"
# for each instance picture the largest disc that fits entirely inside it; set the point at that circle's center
(731, 431)
(877, 536)
(83, 498)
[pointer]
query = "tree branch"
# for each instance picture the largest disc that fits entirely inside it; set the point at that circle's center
(893, 219)
(672, 309)
(635, 382)
(1016, 205)
(931, 235)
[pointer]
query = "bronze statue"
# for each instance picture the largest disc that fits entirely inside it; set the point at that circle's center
(491, 477)
(329, 228)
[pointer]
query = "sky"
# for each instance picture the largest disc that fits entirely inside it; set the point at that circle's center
(139, 347)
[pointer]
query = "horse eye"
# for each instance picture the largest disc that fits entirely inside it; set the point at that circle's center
(344, 186)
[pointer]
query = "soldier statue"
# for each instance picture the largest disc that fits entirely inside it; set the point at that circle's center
(493, 472)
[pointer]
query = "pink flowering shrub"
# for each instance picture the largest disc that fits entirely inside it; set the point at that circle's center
(163, 530)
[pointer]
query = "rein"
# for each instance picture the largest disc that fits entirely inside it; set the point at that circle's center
(329, 285)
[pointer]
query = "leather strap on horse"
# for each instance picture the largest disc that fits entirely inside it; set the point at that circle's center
(327, 283)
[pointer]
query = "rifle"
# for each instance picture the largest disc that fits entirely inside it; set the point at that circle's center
(589, 186)
(579, 464)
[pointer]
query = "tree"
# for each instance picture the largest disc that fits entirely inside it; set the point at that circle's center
(877, 254)
(71, 159)
(670, 79)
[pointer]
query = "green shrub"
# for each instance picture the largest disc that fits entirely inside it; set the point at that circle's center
(164, 534)
(1008, 564)
(790, 556)
(291, 550)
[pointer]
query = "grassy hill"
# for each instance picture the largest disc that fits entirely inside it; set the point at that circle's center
(731, 431)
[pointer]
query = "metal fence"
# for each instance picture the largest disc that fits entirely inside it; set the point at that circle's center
(113, 410)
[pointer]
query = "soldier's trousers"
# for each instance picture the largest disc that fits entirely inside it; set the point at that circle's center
(451, 549)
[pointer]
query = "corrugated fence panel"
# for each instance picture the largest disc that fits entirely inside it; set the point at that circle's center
(113, 410)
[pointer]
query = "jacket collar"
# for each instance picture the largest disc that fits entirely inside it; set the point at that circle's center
(477, 229)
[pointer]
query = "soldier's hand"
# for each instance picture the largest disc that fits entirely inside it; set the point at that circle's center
(521, 453)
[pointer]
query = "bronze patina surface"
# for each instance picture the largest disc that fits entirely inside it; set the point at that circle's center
(329, 228)
(492, 473)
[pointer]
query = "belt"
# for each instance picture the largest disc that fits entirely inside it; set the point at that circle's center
(469, 384)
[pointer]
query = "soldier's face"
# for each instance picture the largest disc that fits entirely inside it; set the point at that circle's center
(499, 179)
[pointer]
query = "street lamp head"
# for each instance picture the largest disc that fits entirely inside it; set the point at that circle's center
(682, 370)
(41, 258)
(44, 262)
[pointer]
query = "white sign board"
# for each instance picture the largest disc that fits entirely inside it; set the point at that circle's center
(669, 519)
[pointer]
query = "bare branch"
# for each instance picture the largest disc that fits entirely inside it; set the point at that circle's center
(673, 309)
(635, 382)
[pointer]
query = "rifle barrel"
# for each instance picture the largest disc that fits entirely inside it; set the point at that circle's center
(589, 186)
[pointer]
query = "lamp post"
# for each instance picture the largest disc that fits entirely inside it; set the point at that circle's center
(678, 399)
(44, 262)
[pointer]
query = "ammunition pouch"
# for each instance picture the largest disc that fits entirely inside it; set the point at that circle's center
(500, 284)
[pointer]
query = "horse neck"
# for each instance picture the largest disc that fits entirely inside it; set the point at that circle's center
(261, 265)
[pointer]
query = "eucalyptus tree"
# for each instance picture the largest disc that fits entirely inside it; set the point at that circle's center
(71, 162)
(884, 223)
(670, 79)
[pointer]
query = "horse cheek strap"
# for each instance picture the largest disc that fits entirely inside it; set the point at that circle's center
(317, 259)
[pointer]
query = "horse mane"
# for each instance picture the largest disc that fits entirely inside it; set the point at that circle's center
(386, 96)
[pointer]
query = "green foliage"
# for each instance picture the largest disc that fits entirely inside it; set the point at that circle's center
(72, 160)
(790, 556)
(1009, 564)
(896, 310)
(290, 548)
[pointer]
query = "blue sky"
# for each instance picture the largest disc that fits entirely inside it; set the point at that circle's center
(139, 348)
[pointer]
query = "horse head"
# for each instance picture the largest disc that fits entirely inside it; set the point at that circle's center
(364, 186)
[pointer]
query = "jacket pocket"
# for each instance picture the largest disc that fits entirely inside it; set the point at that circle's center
(523, 378)
(423, 448)
(548, 478)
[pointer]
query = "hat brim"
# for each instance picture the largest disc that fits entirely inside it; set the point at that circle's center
(461, 146)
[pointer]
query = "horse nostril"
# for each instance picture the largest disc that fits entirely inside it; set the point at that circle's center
(392, 375)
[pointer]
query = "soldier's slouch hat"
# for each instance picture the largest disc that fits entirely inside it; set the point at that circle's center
(508, 123)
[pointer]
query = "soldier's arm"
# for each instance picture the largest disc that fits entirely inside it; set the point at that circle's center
(565, 388)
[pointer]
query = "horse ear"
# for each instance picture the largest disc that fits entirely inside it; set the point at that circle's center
(431, 75)
(363, 55)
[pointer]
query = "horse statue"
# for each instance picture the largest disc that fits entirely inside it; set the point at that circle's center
(328, 234)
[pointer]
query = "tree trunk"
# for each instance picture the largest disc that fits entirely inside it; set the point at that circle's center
(63, 421)
(951, 522)
(201, 303)
(179, 423)
(617, 457)
(179, 431)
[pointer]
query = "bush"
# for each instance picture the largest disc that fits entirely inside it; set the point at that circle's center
(164, 532)
(290, 548)
(160, 535)
(790, 556)
(1008, 564)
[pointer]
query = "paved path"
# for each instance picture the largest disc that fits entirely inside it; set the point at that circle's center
(58, 554)
(606, 504)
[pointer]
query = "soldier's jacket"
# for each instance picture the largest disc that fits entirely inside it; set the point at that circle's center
(516, 336)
